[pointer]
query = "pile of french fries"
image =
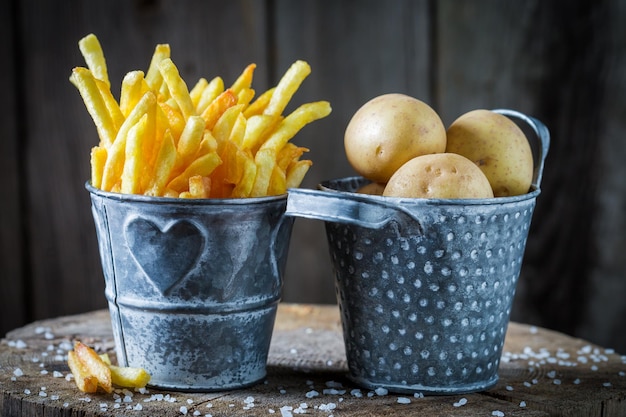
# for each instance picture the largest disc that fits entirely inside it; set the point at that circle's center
(93, 372)
(162, 139)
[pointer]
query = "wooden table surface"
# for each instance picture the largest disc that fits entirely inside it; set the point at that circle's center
(542, 373)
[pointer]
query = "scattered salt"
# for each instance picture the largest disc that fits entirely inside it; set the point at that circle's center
(312, 394)
(327, 407)
(183, 410)
(356, 393)
(404, 400)
(381, 391)
(576, 381)
(556, 382)
(138, 407)
(522, 403)
(607, 384)
(497, 413)
(285, 411)
(509, 388)
(57, 374)
(196, 413)
(27, 391)
(461, 402)
(18, 372)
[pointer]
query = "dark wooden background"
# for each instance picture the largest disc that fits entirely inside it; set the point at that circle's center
(563, 62)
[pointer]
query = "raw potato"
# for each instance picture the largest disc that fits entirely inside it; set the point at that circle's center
(444, 175)
(498, 146)
(389, 130)
(373, 188)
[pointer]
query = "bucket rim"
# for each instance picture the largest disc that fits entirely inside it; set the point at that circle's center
(139, 198)
(404, 201)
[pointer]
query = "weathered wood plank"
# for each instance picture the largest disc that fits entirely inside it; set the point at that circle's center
(13, 310)
(307, 372)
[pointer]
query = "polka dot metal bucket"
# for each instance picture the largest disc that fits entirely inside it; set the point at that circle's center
(425, 287)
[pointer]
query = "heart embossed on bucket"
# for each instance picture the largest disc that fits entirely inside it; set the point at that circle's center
(166, 255)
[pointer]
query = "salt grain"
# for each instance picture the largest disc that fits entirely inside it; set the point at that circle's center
(285, 411)
(196, 413)
(607, 384)
(183, 410)
(522, 404)
(404, 400)
(27, 391)
(312, 394)
(57, 374)
(18, 372)
(460, 403)
(381, 391)
(356, 393)
(497, 413)
(327, 407)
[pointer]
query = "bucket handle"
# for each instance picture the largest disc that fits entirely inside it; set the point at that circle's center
(371, 212)
(334, 206)
(539, 144)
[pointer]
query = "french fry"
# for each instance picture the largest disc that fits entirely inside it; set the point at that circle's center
(288, 154)
(189, 142)
(224, 126)
(196, 92)
(164, 166)
(153, 75)
(111, 104)
(92, 52)
(259, 105)
(163, 139)
(244, 80)
(210, 93)
(114, 165)
(278, 182)
(296, 172)
(293, 123)
(133, 162)
(84, 380)
(134, 86)
(94, 365)
(203, 166)
(126, 376)
(129, 377)
(98, 159)
(287, 87)
(177, 87)
(217, 107)
(243, 188)
(257, 129)
(85, 82)
(199, 186)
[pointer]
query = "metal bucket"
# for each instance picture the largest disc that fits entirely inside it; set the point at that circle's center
(192, 285)
(424, 286)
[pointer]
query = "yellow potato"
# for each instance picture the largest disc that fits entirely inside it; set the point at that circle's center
(389, 130)
(499, 148)
(442, 175)
(373, 188)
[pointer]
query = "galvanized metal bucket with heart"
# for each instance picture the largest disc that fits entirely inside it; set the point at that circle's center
(425, 286)
(192, 285)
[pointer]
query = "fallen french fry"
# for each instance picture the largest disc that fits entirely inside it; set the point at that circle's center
(84, 380)
(94, 365)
